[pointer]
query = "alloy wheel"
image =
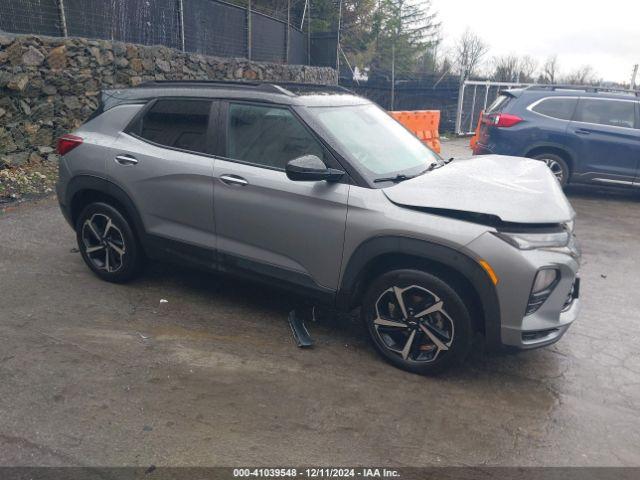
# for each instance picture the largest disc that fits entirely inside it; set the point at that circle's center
(103, 243)
(555, 168)
(412, 323)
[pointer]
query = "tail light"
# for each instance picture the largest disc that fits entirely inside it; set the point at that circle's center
(505, 120)
(68, 142)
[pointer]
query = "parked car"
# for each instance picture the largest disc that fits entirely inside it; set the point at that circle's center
(584, 135)
(319, 191)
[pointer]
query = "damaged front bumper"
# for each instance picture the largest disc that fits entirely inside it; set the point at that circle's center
(516, 270)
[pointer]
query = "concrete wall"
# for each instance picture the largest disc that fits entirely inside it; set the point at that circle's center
(49, 86)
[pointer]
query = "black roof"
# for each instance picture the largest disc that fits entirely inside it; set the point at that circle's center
(282, 93)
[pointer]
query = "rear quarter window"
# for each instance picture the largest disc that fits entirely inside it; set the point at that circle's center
(559, 108)
(613, 113)
(178, 124)
(499, 104)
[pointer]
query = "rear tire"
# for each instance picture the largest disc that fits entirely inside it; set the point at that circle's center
(429, 333)
(107, 243)
(557, 165)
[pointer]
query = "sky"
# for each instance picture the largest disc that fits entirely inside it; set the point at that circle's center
(603, 34)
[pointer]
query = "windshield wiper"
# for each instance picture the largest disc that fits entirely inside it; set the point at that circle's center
(396, 179)
(402, 177)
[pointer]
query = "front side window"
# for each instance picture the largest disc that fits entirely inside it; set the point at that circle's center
(368, 136)
(177, 123)
(560, 108)
(614, 113)
(268, 136)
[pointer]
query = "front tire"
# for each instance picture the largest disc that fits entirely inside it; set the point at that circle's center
(417, 322)
(557, 165)
(107, 243)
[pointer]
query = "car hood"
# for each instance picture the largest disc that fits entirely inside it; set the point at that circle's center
(517, 190)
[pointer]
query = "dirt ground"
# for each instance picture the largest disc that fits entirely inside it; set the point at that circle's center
(106, 375)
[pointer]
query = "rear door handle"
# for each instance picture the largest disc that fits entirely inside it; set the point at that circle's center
(126, 160)
(582, 131)
(234, 180)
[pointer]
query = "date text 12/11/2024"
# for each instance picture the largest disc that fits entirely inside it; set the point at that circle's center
(315, 473)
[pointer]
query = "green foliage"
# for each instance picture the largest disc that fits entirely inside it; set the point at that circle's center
(377, 33)
(373, 33)
(405, 31)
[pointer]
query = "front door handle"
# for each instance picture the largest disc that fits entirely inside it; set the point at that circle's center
(582, 131)
(234, 180)
(126, 160)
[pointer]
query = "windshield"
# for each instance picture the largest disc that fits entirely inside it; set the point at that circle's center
(368, 136)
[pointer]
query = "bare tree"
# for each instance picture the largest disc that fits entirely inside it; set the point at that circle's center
(550, 69)
(527, 66)
(506, 68)
(582, 76)
(469, 50)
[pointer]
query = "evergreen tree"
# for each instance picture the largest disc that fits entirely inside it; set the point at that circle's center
(405, 31)
(355, 18)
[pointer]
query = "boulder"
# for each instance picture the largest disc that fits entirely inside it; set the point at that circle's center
(14, 53)
(72, 102)
(32, 57)
(57, 58)
(18, 82)
(163, 65)
(15, 159)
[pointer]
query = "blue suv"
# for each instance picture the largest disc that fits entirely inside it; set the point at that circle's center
(584, 134)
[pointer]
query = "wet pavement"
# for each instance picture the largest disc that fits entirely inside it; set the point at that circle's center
(98, 374)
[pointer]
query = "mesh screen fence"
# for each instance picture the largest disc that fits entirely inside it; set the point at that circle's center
(214, 28)
(211, 27)
(40, 17)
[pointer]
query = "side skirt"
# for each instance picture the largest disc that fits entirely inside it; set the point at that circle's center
(179, 253)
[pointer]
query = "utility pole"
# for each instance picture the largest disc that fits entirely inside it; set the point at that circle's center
(63, 19)
(393, 74)
(308, 32)
(288, 37)
(338, 39)
(181, 19)
(632, 85)
(249, 40)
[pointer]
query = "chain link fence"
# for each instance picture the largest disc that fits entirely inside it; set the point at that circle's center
(212, 27)
(474, 98)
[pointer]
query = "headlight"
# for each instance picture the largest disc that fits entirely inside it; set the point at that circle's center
(570, 225)
(530, 241)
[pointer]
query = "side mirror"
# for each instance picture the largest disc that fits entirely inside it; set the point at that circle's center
(310, 168)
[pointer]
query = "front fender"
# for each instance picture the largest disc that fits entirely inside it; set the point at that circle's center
(461, 263)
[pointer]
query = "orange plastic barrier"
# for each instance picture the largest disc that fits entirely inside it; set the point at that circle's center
(474, 139)
(424, 124)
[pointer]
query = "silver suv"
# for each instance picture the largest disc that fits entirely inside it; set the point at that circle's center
(320, 191)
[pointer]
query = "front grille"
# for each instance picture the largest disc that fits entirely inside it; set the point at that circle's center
(537, 335)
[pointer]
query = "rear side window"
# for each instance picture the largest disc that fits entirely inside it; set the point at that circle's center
(177, 123)
(614, 113)
(560, 108)
(268, 136)
(499, 104)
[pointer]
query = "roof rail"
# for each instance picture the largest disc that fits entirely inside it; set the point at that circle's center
(286, 88)
(586, 88)
(312, 86)
(204, 83)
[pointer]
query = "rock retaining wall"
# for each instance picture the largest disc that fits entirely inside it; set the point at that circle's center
(49, 86)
